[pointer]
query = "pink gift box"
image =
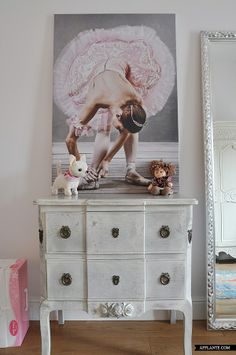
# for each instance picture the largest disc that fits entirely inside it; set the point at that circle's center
(14, 314)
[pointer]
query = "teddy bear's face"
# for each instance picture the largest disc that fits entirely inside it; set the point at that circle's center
(159, 173)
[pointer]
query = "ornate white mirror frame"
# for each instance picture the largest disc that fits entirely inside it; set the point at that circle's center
(214, 322)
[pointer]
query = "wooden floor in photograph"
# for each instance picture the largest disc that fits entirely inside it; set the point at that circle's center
(120, 338)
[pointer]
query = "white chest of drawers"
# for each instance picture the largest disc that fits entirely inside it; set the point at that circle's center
(115, 257)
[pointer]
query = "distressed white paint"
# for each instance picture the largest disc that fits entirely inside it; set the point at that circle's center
(175, 288)
(139, 268)
(158, 217)
(130, 272)
(130, 232)
(54, 222)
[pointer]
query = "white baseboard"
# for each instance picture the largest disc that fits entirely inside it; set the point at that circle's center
(199, 312)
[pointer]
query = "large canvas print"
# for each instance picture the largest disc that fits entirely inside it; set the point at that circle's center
(115, 98)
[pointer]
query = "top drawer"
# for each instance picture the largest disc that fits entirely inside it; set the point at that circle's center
(65, 231)
(115, 232)
(167, 229)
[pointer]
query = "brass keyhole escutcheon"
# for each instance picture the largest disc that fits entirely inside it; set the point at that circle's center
(65, 232)
(165, 278)
(115, 232)
(115, 279)
(165, 231)
(66, 279)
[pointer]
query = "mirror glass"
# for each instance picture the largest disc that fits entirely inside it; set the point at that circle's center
(219, 111)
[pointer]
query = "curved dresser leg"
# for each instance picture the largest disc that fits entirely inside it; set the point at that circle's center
(45, 329)
(188, 323)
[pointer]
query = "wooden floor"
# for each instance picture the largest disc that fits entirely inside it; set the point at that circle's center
(120, 338)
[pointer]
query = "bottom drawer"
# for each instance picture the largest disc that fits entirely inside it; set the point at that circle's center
(165, 279)
(119, 279)
(65, 280)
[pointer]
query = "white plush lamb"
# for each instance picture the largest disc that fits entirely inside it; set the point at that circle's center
(69, 181)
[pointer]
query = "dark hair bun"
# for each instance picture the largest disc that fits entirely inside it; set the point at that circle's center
(134, 118)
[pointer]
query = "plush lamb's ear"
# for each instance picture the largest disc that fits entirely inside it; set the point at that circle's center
(72, 159)
(83, 158)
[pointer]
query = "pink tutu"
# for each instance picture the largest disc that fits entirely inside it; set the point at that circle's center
(152, 70)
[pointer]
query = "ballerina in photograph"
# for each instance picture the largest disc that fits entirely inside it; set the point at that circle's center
(119, 78)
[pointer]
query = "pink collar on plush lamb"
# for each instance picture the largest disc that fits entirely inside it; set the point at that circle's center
(68, 176)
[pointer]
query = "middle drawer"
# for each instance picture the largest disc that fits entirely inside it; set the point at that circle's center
(115, 232)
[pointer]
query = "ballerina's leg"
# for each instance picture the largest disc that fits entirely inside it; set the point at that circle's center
(71, 143)
(130, 148)
(100, 149)
(101, 146)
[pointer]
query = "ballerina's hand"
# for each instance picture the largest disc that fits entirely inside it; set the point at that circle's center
(78, 131)
(103, 168)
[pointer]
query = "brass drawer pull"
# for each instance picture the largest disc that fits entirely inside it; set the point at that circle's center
(65, 232)
(115, 279)
(165, 278)
(115, 232)
(165, 231)
(66, 279)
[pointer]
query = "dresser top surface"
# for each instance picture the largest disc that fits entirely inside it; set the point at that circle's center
(115, 199)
